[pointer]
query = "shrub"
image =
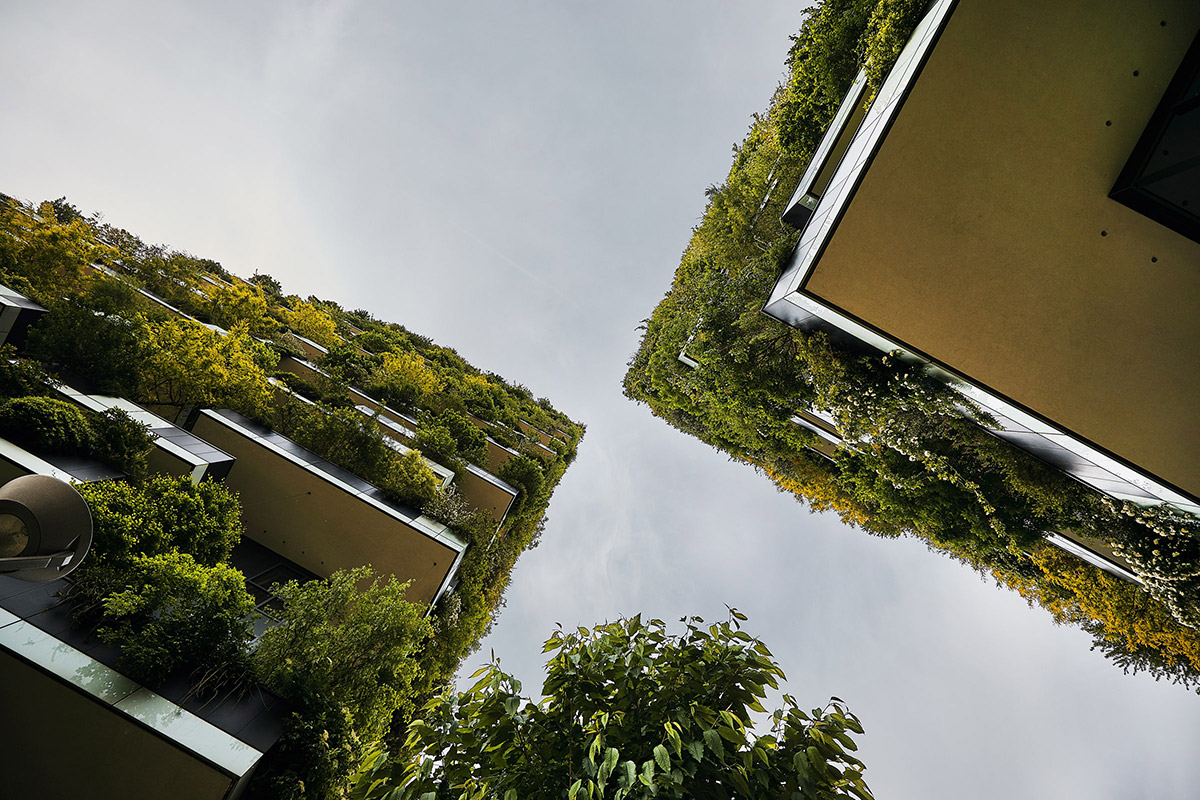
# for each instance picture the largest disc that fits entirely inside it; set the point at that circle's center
(346, 656)
(166, 514)
(412, 481)
(436, 441)
(44, 423)
(470, 441)
(122, 442)
(177, 613)
(346, 437)
(21, 377)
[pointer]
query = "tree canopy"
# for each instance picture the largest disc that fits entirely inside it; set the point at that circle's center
(630, 710)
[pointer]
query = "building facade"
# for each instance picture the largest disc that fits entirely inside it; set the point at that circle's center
(974, 216)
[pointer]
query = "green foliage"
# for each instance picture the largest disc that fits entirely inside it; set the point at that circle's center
(484, 398)
(242, 304)
(838, 38)
(103, 347)
(43, 423)
(154, 581)
(345, 363)
(350, 637)
(324, 391)
(526, 474)
(270, 287)
(20, 377)
(887, 32)
(412, 481)
(183, 363)
(449, 436)
(630, 711)
(102, 328)
(403, 379)
(345, 654)
(470, 442)
(1164, 550)
(352, 440)
(312, 323)
(1126, 623)
(122, 442)
(315, 756)
(918, 458)
(376, 341)
(177, 613)
(437, 441)
(64, 212)
(164, 515)
(344, 436)
(202, 519)
(51, 255)
(47, 424)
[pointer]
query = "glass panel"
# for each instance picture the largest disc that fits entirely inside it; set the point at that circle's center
(190, 731)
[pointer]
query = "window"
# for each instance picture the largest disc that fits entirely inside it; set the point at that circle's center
(1162, 177)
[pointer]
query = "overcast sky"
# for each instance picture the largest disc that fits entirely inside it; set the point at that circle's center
(517, 180)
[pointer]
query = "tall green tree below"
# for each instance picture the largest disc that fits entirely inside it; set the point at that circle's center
(630, 711)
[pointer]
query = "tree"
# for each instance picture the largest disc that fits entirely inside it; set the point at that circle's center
(350, 637)
(90, 332)
(312, 323)
(229, 305)
(630, 711)
(165, 514)
(345, 655)
(269, 285)
(184, 363)
(403, 378)
(53, 256)
(178, 613)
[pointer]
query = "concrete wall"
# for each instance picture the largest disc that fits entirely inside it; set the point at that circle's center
(320, 526)
(484, 495)
(42, 756)
(983, 235)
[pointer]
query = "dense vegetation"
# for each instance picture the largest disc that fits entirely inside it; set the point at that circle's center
(158, 575)
(917, 458)
(629, 711)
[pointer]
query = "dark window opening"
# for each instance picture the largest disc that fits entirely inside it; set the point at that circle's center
(1162, 177)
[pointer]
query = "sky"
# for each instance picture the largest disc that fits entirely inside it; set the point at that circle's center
(517, 181)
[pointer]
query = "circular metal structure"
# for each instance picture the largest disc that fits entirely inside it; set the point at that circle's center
(45, 528)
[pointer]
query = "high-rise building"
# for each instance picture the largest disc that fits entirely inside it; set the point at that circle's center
(75, 723)
(996, 223)
(1017, 208)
